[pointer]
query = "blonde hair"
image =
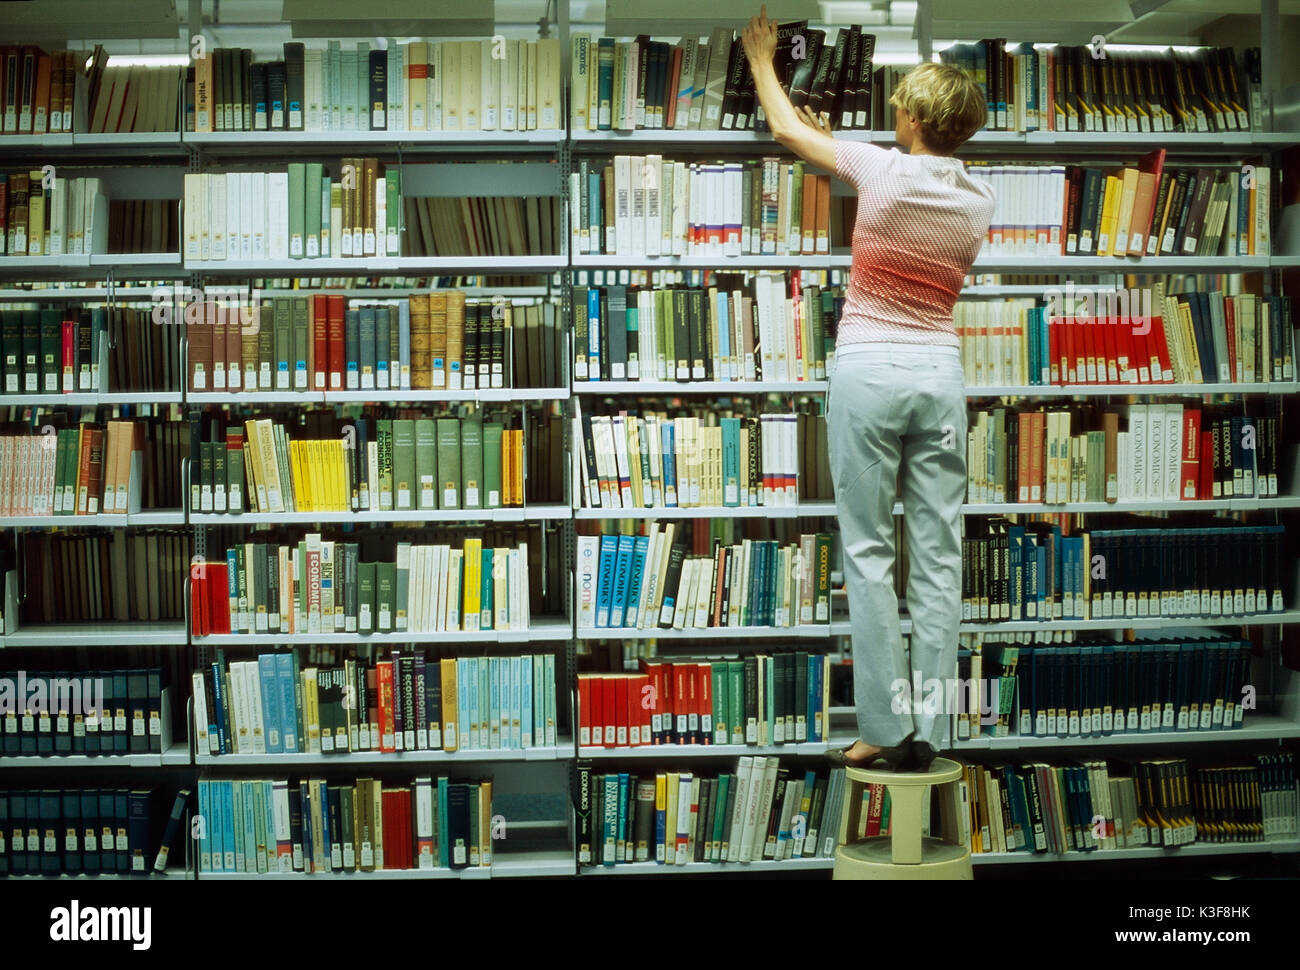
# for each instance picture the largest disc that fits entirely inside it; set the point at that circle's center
(943, 98)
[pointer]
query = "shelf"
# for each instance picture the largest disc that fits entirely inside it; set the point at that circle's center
(271, 143)
(488, 394)
(696, 868)
(374, 265)
(177, 754)
(504, 865)
(1275, 847)
(809, 630)
(91, 399)
(1256, 727)
(732, 388)
(719, 262)
(1108, 390)
(808, 509)
(293, 762)
(103, 521)
(1287, 617)
(1251, 504)
(807, 749)
(109, 633)
(530, 514)
(988, 262)
(82, 266)
(548, 629)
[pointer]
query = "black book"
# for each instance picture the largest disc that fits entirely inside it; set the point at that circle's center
(378, 90)
(50, 849)
(835, 77)
(682, 335)
(751, 711)
(703, 819)
(731, 91)
(246, 73)
(238, 92)
(173, 828)
(295, 826)
(276, 94)
(862, 100)
(261, 109)
(672, 580)
(801, 76)
(844, 114)
(458, 824)
(294, 80)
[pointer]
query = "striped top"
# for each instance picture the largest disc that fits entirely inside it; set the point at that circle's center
(920, 222)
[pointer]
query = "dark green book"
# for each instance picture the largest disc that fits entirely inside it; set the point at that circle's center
(385, 591)
(403, 474)
(366, 597)
(51, 350)
(301, 340)
(471, 461)
(449, 476)
(283, 336)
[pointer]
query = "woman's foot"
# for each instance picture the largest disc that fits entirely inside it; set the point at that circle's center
(860, 754)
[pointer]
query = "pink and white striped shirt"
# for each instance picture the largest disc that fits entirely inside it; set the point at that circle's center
(920, 223)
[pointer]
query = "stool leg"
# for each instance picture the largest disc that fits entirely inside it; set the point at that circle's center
(948, 807)
(905, 824)
(850, 817)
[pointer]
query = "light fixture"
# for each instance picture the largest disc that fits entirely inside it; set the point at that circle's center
(57, 21)
(420, 18)
(673, 18)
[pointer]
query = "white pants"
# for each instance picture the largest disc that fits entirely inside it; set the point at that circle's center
(899, 406)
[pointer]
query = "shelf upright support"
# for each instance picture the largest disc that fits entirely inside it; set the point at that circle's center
(925, 31)
(1270, 68)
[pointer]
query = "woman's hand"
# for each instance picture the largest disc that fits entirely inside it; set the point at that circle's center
(759, 39)
(818, 122)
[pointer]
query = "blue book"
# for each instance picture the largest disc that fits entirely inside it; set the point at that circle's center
(623, 821)
(730, 462)
(622, 572)
(670, 465)
(528, 737)
(249, 796)
(1019, 818)
(286, 701)
(1040, 567)
(205, 836)
(219, 700)
(661, 822)
(495, 703)
(605, 83)
(640, 548)
(236, 816)
(1016, 572)
(815, 724)
(724, 349)
(271, 722)
(593, 334)
(609, 824)
(605, 579)
(304, 798)
(232, 590)
(444, 832)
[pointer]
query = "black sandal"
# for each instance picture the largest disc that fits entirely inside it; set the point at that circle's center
(900, 757)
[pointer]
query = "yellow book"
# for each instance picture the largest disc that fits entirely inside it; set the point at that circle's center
(473, 569)
(296, 471)
(253, 468)
(1189, 341)
(1109, 212)
(311, 710)
(270, 468)
(450, 715)
(485, 822)
(670, 823)
(1124, 214)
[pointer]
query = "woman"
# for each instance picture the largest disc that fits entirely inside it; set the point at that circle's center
(898, 396)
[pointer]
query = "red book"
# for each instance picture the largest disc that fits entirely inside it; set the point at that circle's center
(644, 692)
(198, 600)
(1191, 455)
(372, 709)
(705, 695)
(1068, 327)
(1124, 354)
(385, 677)
(1141, 352)
(1086, 368)
(876, 795)
(334, 334)
(609, 690)
(404, 809)
(1162, 350)
(584, 710)
(693, 688)
(1054, 351)
(623, 726)
(216, 322)
(218, 608)
(389, 822)
(597, 694)
(664, 702)
(1110, 364)
(1230, 324)
(320, 341)
(674, 84)
(1205, 485)
(69, 356)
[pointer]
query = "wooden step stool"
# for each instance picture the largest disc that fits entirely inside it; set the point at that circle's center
(903, 854)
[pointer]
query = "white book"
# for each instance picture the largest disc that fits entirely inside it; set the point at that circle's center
(682, 595)
(258, 181)
(471, 85)
(1155, 483)
(745, 772)
(234, 213)
(686, 785)
(637, 221)
(201, 738)
(653, 180)
(530, 81)
(396, 86)
(489, 85)
(579, 72)
(217, 214)
(434, 88)
(510, 87)
(588, 558)
(56, 217)
(75, 215)
(1139, 448)
(242, 247)
(451, 85)
(277, 215)
(550, 97)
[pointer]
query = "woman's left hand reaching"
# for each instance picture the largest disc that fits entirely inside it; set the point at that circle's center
(759, 38)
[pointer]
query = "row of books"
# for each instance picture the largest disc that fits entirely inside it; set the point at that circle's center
(112, 576)
(42, 215)
(482, 225)
(493, 84)
(1103, 688)
(648, 581)
(709, 458)
(320, 341)
(648, 205)
(1040, 808)
(90, 712)
(1168, 452)
(299, 213)
(281, 704)
(256, 826)
(141, 97)
(762, 811)
(425, 463)
(644, 83)
(768, 326)
(38, 90)
(1039, 87)
(1143, 210)
(90, 831)
(763, 699)
(323, 586)
(1139, 336)
(84, 470)
(1032, 572)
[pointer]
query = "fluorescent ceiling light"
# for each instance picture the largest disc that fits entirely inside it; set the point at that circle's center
(423, 18)
(673, 18)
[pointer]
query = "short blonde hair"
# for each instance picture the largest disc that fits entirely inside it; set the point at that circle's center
(949, 105)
